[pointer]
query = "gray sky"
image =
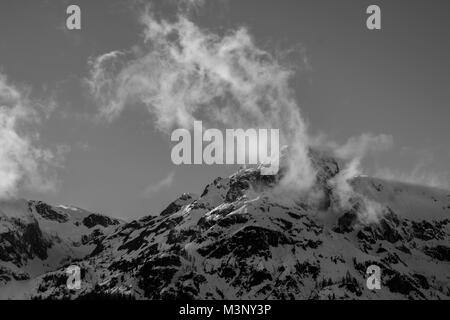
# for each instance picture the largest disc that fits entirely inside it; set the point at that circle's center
(395, 81)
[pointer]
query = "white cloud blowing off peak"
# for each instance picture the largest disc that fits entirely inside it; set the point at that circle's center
(353, 152)
(23, 163)
(182, 73)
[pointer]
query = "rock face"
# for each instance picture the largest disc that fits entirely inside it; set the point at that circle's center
(36, 237)
(24, 242)
(241, 239)
(47, 212)
(94, 219)
(176, 205)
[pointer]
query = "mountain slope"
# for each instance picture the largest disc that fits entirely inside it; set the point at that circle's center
(36, 237)
(243, 238)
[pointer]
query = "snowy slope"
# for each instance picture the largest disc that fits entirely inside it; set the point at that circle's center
(412, 201)
(36, 237)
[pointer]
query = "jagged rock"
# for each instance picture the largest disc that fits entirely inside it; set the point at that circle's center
(47, 212)
(96, 219)
(346, 222)
(175, 206)
(439, 252)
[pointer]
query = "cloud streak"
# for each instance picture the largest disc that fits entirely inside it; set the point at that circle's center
(160, 185)
(419, 175)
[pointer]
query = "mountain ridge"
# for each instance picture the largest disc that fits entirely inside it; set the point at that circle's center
(243, 239)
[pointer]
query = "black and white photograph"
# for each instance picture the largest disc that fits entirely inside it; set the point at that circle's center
(253, 151)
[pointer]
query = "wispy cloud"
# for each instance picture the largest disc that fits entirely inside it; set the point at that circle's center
(160, 185)
(353, 152)
(183, 73)
(423, 172)
(419, 176)
(23, 161)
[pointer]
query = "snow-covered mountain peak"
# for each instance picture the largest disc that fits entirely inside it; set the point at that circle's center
(243, 239)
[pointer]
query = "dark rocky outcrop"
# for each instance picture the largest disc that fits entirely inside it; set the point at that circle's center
(97, 219)
(46, 211)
